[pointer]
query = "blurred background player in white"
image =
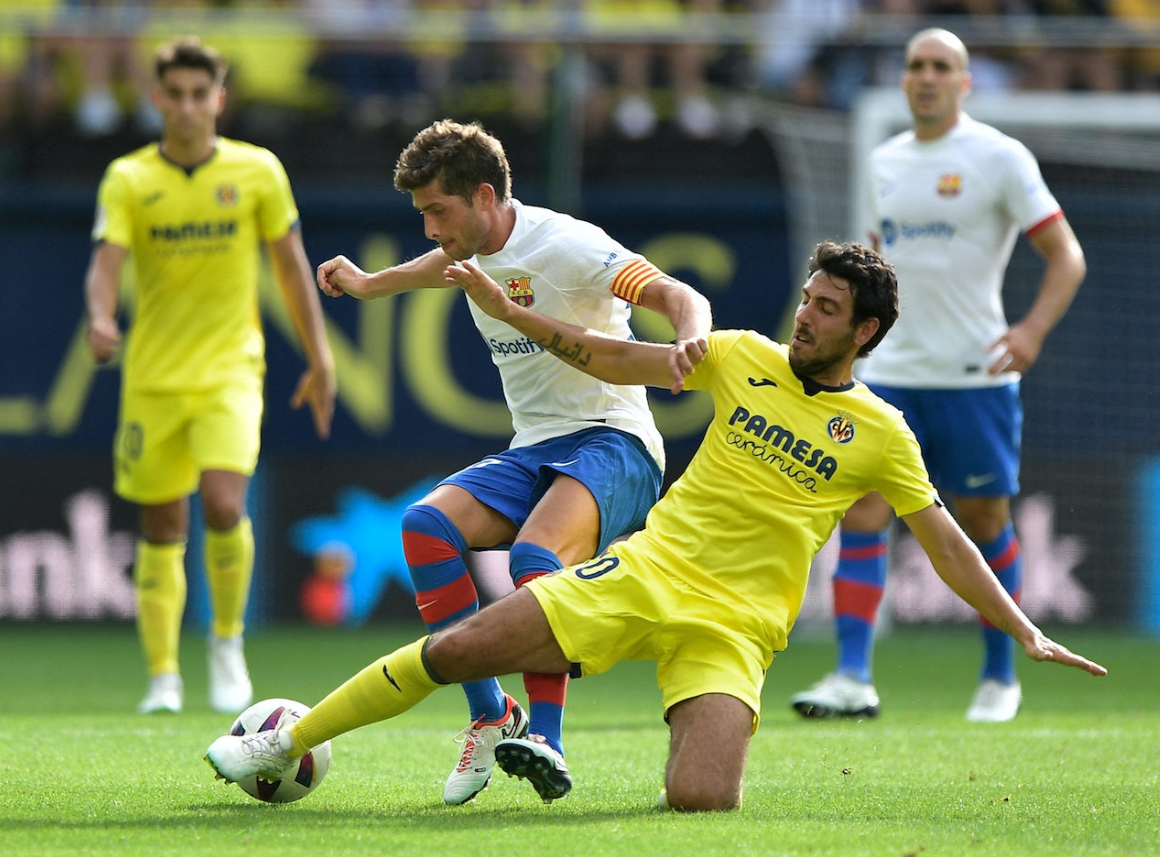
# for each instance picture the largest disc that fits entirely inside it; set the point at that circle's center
(194, 210)
(947, 202)
(586, 461)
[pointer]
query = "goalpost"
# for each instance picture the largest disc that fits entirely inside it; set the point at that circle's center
(1091, 459)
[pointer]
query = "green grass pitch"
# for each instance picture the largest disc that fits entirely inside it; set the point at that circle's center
(1077, 773)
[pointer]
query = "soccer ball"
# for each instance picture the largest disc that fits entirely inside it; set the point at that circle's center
(302, 778)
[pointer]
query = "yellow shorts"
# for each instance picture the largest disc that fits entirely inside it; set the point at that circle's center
(623, 607)
(165, 441)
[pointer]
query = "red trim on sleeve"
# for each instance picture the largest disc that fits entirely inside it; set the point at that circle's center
(1049, 219)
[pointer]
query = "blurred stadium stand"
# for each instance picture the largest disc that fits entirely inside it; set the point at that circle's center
(338, 87)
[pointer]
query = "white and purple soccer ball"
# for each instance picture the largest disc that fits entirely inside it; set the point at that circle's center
(303, 777)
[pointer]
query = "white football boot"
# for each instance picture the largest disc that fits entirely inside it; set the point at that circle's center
(230, 690)
(995, 702)
(164, 694)
(263, 754)
(473, 772)
(837, 695)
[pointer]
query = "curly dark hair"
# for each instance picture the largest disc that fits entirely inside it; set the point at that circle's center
(461, 157)
(873, 284)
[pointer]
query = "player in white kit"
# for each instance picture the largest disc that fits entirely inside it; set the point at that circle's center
(586, 461)
(946, 203)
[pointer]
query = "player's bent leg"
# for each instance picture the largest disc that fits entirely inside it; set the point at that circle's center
(512, 635)
(708, 747)
(445, 594)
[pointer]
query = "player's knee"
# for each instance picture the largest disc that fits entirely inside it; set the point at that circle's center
(453, 653)
(703, 796)
(984, 528)
(222, 513)
(427, 533)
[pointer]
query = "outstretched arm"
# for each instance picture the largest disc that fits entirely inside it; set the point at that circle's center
(961, 566)
(607, 358)
(340, 276)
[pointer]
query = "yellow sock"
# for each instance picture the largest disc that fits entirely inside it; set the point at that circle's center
(159, 574)
(391, 685)
(229, 567)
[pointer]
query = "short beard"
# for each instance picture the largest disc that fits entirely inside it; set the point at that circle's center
(818, 365)
(810, 368)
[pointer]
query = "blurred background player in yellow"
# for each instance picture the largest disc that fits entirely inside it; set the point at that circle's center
(193, 210)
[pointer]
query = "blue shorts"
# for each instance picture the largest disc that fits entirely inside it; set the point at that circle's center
(613, 465)
(970, 439)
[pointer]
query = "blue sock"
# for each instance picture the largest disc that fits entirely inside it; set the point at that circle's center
(444, 591)
(528, 560)
(1005, 557)
(546, 692)
(859, 583)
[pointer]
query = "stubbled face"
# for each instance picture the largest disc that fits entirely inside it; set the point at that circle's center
(461, 230)
(190, 103)
(824, 339)
(935, 82)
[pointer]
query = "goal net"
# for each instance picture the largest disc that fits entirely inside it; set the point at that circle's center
(1087, 512)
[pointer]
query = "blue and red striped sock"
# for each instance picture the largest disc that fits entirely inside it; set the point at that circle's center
(859, 583)
(1005, 557)
(546, 691)
(445, 592)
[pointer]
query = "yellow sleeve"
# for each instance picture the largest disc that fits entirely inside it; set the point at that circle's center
(114, 221)
(902, 476)
(278, 212)
(720, 343)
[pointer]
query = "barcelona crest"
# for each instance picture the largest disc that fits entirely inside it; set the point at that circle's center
(841, 429)
(227, 195)
(520, 291)
(950, 184)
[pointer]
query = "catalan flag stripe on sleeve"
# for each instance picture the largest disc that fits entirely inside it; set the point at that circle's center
(632, 279)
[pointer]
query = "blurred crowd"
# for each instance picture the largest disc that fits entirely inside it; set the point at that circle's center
(632, 65)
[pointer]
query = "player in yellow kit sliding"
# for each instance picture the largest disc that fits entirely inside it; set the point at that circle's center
(710, 588)
(192, 213)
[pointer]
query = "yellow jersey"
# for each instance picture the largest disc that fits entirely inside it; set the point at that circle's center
(195, 236)
(781, 462)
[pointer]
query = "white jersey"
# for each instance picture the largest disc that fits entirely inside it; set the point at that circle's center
(946, 214)
(573, 271)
